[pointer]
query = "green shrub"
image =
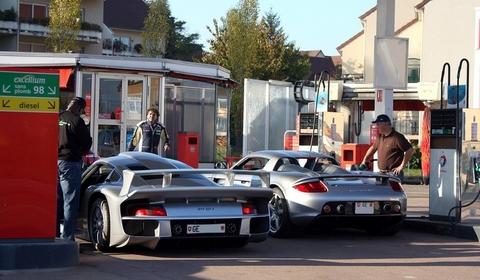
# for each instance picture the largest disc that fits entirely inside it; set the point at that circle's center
(415, 162)
(90, 26)
(8, 15)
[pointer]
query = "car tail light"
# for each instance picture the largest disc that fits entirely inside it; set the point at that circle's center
(153, 211)
(396, 186)
(248, 209)
(318, 186)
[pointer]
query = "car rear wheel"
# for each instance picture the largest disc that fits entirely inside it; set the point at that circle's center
(280, 225)
(99, 225)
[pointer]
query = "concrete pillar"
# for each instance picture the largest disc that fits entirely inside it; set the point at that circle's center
(385, 28)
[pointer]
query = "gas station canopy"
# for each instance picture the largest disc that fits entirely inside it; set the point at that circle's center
(168, 67)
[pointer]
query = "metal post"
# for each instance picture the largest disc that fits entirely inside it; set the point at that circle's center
(385, 28)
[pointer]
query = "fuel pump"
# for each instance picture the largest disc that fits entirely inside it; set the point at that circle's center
(455, 158)
(310, 124)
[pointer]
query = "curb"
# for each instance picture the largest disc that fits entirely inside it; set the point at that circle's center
(29, 254)
(464, 231)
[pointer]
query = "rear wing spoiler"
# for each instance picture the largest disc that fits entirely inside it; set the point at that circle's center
(353, 175)
(133, 178)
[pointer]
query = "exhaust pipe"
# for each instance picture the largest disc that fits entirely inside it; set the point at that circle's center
(340, 209)
(387, 208)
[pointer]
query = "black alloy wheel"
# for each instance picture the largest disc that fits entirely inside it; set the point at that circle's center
(99, 224)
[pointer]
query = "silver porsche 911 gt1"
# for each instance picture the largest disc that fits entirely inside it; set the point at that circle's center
(310, 188)
(140, 198)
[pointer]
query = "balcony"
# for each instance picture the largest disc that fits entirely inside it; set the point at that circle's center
(89, 32)
(119, 47)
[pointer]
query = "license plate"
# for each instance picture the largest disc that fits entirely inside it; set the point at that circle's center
(215, 228)
(363, 208)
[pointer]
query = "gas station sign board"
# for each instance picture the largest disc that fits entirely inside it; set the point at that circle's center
(29, 92)
(29, 105)
(29, 84)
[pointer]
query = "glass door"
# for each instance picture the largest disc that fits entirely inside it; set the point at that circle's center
(134, 106)
(119, 108)
(108, 109)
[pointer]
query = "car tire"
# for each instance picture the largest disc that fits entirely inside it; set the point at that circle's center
(280, 225)
(99, 225)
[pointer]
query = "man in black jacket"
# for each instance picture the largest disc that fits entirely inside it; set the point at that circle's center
(73, 141)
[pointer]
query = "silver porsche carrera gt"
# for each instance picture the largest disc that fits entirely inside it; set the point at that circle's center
(311, 188)
(140, 198)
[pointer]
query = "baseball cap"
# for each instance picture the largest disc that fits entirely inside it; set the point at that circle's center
(382, 118)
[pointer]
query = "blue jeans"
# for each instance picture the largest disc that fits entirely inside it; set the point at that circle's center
(68, 199)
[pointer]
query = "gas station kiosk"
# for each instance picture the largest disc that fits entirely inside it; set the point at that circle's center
(454, 165)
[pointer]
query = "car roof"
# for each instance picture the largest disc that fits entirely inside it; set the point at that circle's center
(150, 161)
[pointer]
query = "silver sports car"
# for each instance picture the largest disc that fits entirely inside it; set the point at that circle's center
(310, 188)
(140, 198)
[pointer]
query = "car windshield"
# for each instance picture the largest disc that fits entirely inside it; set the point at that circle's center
(183, 180)
(177, 179)
(322, 165)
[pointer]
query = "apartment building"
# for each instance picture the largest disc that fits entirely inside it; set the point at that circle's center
(438, 31)
(124, 20)
(191, 97)
(23, 25)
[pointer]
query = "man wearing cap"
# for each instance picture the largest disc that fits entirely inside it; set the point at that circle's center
(394, 150)
(73, 141)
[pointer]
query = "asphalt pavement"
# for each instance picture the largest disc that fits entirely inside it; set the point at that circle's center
(418, 216)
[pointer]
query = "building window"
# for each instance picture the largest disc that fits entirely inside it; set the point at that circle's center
(29, 47)
(22, 47)
(406, 122)
(122, 44)
(33, 11)
(39, 11)
(222, 117)
(82, 15)
(413, 70)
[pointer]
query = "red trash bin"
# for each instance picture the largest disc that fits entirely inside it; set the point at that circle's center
(188, 145)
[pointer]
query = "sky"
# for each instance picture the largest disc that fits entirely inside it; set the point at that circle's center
(311, 24)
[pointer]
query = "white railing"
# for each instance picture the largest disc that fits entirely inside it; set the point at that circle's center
(43, 31)
(9, 27)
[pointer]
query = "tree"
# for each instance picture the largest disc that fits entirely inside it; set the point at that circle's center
(183, 46)
(252, 49)
(235, 46)
(158, 25)
(282, 60)
(64, 25)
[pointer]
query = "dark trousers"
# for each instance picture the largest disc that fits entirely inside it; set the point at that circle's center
(68, 199)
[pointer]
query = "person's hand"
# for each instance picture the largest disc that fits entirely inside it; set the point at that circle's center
(397, 170)
(362, 166)
(166, 147)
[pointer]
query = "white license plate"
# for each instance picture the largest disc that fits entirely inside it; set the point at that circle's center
(364, 208)
(215, 228)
